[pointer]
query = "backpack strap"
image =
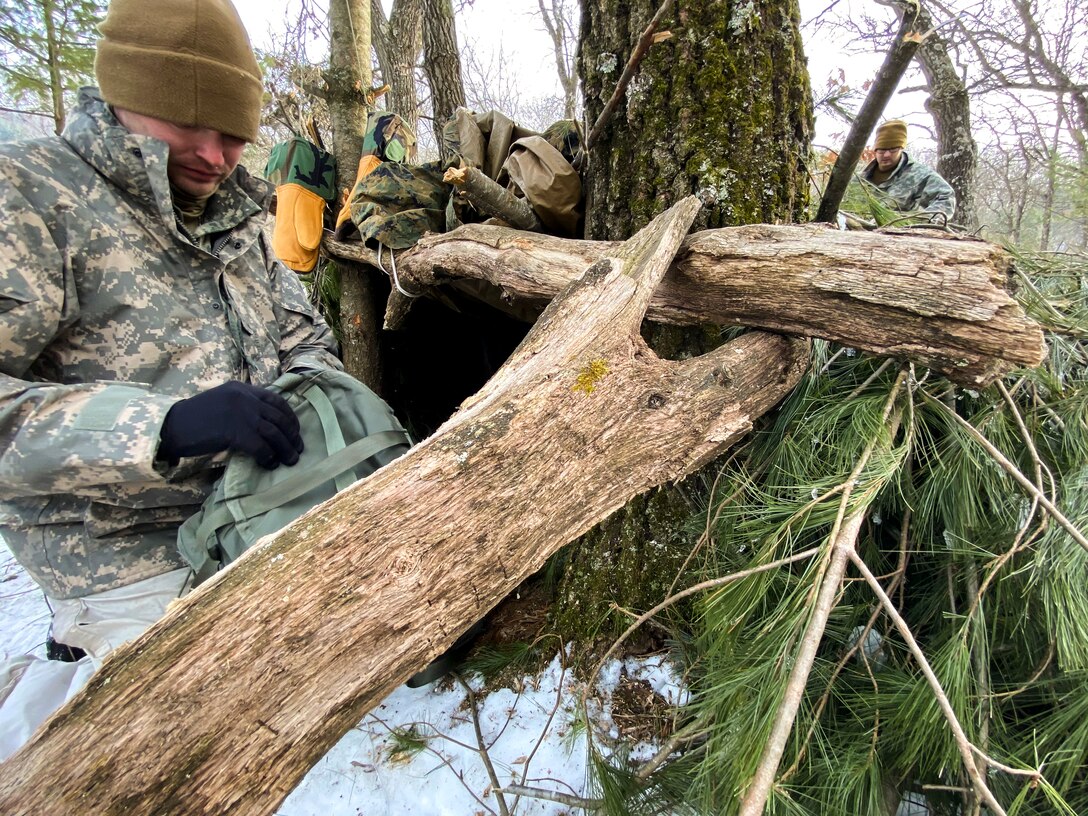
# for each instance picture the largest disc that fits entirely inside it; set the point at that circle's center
(246, 507)
(330, 427)
(333, 467)
(338, 466)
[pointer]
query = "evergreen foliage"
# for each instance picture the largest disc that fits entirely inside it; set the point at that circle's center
(993, 589)
(323, 285)
(47, 51)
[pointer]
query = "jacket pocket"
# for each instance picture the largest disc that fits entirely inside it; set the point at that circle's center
(103, 521)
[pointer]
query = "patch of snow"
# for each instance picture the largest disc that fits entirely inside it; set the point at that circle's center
(24, 615)
(363, 773)
(530, 735)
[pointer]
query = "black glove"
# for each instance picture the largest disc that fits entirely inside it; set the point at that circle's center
(233, 416)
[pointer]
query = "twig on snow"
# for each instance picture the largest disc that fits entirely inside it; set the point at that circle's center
(553, 796)
(496, 788)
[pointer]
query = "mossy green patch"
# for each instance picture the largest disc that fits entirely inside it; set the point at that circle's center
(592, 373)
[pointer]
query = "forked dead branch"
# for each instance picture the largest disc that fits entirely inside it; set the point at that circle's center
(226, 703)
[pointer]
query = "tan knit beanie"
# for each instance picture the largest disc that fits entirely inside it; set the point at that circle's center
(890, 135)
(184, 61)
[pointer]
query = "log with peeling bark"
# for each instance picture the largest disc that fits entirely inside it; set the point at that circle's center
(936, 299)
(225, 704)
(492, 199)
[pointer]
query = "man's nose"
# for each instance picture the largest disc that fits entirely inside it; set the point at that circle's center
(210, 147)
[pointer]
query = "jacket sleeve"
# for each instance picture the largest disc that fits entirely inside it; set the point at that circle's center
(58, 438)
(306, 341)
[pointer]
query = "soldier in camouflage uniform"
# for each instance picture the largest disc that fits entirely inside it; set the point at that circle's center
(141, 312)
(910, 185)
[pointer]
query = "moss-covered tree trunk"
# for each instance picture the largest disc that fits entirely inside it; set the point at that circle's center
(722, 109)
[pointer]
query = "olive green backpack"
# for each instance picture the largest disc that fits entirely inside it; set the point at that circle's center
(348, 433)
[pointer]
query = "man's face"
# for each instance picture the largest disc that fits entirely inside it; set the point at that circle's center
(200, 158)
(888, 157)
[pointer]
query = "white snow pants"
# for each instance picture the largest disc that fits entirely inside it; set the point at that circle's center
(31, 688)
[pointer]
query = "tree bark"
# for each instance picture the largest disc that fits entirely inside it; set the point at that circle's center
(722, 109)
(442, 65)
(360, 324)
(630, 70)
(938, 300)
(349, 73)
(397, 42)
(226, 703)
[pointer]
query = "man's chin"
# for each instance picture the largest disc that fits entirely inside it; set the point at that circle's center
(197, 188)
(200, 190)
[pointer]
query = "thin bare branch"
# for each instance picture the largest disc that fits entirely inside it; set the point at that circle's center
(496, 788)
(966, 749)
(629, 70)
(589, 805)
(1013, 471)
(842, 540)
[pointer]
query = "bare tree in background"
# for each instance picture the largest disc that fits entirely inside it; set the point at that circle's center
(492, 84)
(442, 64)
(1034, 55)
(950, 105)
(1023, 65)
(1027, 190)
(560, 19)
(1027, 47)
(293, 84)
(397, 42)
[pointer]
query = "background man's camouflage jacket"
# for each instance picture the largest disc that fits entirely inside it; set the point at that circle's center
(914, 186)
(109, 314)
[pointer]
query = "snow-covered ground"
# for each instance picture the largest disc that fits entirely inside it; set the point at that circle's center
(24, 617)
(530, 735)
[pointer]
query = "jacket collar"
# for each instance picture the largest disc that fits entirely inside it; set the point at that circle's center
(136, 165)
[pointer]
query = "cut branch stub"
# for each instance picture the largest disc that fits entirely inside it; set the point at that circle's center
(226, 703)
(492, 199)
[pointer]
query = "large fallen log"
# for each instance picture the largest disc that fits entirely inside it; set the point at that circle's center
(936, 299)
(225, 704)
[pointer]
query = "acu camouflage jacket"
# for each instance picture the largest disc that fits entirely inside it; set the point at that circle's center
(109, 314)
(914, 186)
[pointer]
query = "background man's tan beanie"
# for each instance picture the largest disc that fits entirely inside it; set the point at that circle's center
(891, 134)
(185, 61)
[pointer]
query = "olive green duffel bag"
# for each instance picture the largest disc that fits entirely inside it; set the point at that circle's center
(348, 432)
